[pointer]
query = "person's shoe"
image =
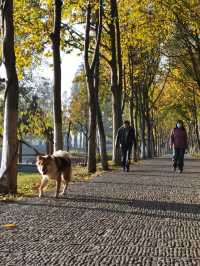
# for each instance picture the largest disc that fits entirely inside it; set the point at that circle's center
(127, 168)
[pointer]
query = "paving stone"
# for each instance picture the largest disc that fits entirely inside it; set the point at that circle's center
(149, 216)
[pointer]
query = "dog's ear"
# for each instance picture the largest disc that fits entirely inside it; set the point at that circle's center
(39, 157)
(48, 156)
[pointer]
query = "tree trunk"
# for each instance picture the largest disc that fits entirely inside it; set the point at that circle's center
(47, 146)
(195, 118)
(136, 153)
(20, 151)
(118, 46)
(133, 116)
(102, 135)
(92, 94)
(148, 123)
(91, 97)
(75, 141)
(81, 141)
(143, 144)
(131, 101)
(116, 81)
(153, 138)
(142, 124)
(57, 112)
(155, 141)
(117, 123)
(92, 126)
(86, 143)
(68, 135)
(8, 172)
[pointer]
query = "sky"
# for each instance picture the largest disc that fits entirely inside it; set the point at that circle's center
(69, 66)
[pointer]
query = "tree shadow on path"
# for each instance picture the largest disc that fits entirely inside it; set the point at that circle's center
(160, 209)
(172, 186)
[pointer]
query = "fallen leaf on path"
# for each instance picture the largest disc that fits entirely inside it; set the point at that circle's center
(9, 226)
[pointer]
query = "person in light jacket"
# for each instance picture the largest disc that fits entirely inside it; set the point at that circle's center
(125, 139)
(179, 143)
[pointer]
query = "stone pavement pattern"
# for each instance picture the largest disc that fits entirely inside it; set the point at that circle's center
(149, 216)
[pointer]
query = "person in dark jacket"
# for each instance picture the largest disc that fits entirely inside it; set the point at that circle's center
(125, 139)
(179, 143)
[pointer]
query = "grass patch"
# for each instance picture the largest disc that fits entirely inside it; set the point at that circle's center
(28, 183)
(196, 155)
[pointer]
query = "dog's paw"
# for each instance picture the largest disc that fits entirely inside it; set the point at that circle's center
(63, 193)
(40, 193)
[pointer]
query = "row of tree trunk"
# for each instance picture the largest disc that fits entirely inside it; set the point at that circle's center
(92, 76)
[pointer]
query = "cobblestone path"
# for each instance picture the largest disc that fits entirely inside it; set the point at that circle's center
(149, 216)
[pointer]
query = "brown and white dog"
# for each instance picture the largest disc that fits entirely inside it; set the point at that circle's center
(56, 166)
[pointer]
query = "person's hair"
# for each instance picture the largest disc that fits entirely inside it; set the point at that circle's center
(180, 122)
(126, 122)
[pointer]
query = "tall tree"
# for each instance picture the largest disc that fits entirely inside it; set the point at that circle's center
(55, 37)
(116, 74)
(8, 173)
(102, 135)
(92, 94)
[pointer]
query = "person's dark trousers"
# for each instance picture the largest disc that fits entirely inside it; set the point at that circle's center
(126, 156)
(178, 158)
